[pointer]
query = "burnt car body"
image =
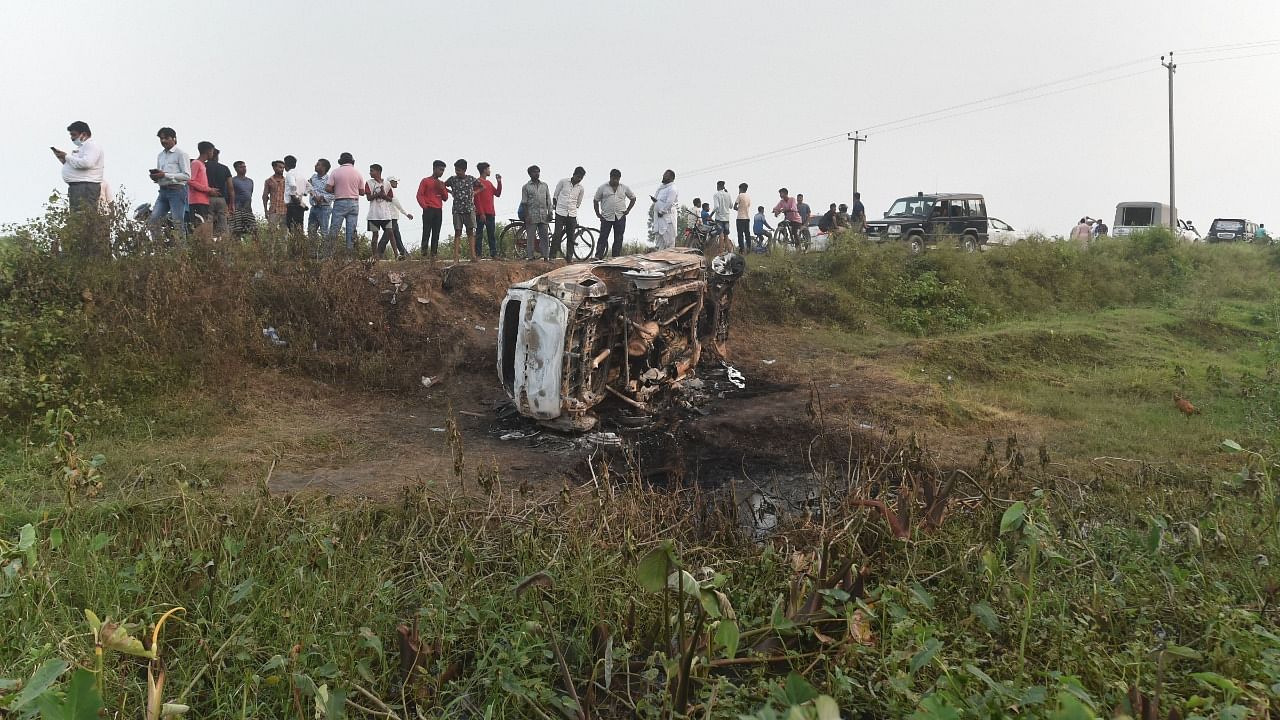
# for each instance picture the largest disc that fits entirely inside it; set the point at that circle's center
(630, 328)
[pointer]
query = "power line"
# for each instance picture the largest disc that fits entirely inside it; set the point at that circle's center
(1020, 100)
(948, 113)
(1230, 46)
(1005, 95)
(1233, 57)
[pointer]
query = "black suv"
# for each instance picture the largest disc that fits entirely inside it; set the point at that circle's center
(923, 220)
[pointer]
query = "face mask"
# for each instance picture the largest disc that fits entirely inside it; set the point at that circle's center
(78, 141)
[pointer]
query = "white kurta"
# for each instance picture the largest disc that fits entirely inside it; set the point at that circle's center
(664, 215)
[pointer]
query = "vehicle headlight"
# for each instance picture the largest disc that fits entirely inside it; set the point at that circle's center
(895, 229)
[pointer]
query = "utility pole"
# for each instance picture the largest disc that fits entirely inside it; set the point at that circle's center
(1173, 208)
(857, 138)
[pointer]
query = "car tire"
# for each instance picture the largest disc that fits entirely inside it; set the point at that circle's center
(969, 243)
(916, 243)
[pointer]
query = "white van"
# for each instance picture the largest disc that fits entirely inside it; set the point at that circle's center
(1134, 216)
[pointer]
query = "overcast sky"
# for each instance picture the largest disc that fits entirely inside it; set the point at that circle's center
(652, 84)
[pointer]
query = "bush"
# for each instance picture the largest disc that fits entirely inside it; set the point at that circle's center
(947, 289)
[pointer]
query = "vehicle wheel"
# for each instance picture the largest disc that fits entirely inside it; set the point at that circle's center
(803, 238)
(511, 242)
(969, 244)
(916, 243)
(584, 244)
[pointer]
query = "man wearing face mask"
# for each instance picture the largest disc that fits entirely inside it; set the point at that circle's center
(81, 168)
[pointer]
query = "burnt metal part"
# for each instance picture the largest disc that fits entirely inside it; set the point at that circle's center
(631, 328)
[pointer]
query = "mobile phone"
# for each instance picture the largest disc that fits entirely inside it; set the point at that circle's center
(54, 149)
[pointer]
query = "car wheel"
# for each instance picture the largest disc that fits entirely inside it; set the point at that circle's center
(916, 243)
(968, 243)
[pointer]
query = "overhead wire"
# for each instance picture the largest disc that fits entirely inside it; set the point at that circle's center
(983, 104)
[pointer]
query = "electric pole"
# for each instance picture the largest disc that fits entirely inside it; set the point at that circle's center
(857, 138)
(1173, 208)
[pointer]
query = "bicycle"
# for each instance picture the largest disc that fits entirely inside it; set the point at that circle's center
(581, 247)
(790, 233)
(705, 237)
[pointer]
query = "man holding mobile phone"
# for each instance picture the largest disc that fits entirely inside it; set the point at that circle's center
(81, 168)
(171, 173)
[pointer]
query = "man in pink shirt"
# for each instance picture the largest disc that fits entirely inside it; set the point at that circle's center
(198, 189)
(787, 207)
(347, 185)
(485, 220)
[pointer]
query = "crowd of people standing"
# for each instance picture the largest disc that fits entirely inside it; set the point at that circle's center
(203, 192)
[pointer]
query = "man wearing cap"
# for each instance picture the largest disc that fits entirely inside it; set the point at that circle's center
(81, 168)
(567, 199)
(347, 185)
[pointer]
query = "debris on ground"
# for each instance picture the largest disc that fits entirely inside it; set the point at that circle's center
(273, 337)
(428, 381)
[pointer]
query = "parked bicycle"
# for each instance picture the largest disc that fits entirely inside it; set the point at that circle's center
(704, 236)
(581, 247)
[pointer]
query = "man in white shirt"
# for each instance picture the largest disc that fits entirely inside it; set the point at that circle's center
(81, 168)
(566, 199)
(295, 193)
(381, 213)
(743, 206)
(665, 206)
(613, 202)
(722, 208)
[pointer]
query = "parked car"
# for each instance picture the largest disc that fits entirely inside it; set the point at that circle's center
(1229, 229)
(1132, 217)
(923, 220)
(1002, 233)
(630, 329)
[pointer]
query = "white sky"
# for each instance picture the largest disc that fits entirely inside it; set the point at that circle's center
(643, 86)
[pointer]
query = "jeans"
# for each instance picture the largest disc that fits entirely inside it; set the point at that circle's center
(485, 223)
(431, 219)
(171, 201)
(566, 227)
(345, 210)
(744, 235)
(618, 227)
(535, 248)
(319, 221)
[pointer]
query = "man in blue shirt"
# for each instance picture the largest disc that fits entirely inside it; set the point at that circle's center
(803, 208)
(761, 228)
(857, 213)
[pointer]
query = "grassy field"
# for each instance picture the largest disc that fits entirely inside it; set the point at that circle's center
(1129, 565)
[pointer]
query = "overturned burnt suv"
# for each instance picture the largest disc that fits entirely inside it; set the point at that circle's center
(629, 329)
(924, 220)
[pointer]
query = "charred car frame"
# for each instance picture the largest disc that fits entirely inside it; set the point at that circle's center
(631, 328)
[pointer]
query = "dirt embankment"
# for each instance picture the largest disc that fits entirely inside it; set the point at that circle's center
(342, 406)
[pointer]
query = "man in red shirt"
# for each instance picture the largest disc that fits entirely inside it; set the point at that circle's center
(485, 220)
(432, 193)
